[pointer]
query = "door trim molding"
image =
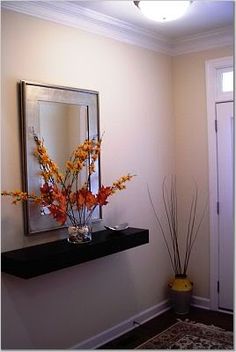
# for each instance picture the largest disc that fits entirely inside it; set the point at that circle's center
(211, 67)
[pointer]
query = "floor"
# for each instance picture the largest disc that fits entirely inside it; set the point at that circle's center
(143, 332)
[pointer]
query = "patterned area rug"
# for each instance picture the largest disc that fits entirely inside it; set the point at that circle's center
(188, 335)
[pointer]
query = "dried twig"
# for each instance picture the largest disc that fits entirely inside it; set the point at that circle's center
(170, 232)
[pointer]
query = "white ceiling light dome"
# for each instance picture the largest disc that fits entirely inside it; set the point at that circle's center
(163, 11)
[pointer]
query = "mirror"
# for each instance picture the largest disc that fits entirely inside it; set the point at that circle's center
(63, 117)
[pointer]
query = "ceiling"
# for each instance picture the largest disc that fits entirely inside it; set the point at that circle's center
(201, 16)
(207, 24)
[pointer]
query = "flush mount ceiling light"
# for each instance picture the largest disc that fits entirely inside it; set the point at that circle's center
(163, 11)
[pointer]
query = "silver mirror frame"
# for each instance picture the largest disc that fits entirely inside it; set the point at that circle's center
(31, 94)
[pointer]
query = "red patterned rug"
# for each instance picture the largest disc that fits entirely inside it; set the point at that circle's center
(188, 335)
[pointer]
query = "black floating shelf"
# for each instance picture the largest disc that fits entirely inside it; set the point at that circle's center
(37, 260)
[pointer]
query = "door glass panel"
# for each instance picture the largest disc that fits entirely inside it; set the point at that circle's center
(227, 81)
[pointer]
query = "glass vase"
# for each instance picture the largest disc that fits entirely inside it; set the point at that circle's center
(79, 234)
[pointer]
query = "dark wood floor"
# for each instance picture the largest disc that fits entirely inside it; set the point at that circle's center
(144, 332)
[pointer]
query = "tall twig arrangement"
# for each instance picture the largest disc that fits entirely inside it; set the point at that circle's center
(171, 231)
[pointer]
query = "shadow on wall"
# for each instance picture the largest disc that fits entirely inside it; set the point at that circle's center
(61, 309)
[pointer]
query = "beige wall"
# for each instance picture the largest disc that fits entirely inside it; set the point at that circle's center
(138, 91)
(60, 309)
(191, 148)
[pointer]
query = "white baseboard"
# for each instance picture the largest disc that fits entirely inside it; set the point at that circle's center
(200, 302)
(225, 311)
(128, 325)
(123, 327)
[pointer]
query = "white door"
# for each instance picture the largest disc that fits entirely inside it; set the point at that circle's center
(225, 138)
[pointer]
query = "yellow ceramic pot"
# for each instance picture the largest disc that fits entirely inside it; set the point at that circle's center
(181, 292)
(181, 284)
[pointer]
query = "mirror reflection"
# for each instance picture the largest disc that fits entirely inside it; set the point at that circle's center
(62, 127)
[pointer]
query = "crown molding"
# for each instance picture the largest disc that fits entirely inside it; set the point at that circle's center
(216, 38)
(70, 14)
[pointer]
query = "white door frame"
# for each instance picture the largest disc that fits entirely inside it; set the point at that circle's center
(213, 96)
